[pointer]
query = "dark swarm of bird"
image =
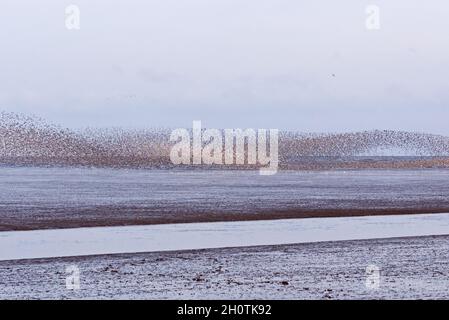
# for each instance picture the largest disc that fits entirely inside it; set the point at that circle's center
(29, 140)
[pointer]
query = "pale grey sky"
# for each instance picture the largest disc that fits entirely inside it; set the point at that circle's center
(229, 63)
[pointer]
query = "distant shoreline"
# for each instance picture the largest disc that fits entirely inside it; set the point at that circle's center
(300, 163)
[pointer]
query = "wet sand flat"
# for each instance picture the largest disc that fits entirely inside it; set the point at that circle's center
(48, 198)
(410, 268)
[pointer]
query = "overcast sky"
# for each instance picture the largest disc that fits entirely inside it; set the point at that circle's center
(287, 64)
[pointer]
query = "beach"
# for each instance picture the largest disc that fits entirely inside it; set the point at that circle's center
(410, 268)
(227, 234)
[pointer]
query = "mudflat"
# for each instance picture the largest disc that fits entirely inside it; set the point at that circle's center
(48, 198)
(410, 268)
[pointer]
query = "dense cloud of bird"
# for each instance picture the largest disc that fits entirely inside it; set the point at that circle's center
(29, 140)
